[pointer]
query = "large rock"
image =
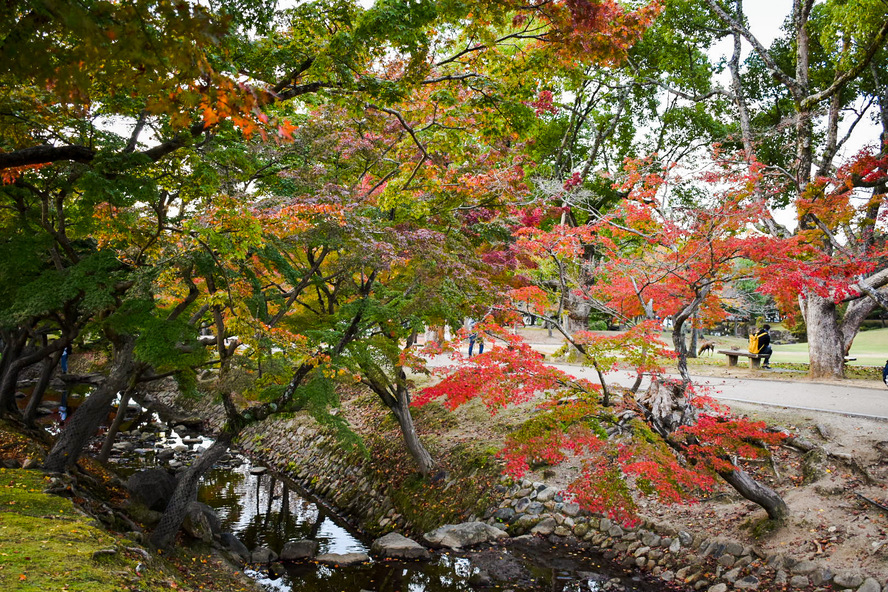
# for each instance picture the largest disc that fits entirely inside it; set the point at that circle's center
(234, 544)
(396, 546)
(301, 549)
(201, 522)
(457, 536)
(342, 559)
(152, 487)
(263, 555)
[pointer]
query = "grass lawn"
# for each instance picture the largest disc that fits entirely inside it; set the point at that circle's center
(870, 348)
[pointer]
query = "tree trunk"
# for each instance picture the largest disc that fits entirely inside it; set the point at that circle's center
(89, 416)
(681, 349)
(49, 364)
(825, 343)
(420, 455)
(667, 408)
(115, 427)
(186, 491)
(754, 491)
(12, 365)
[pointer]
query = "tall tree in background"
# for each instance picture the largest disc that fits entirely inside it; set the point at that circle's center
(827, 75)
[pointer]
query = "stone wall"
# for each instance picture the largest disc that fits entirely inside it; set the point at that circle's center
(700, 562)
(310, 455)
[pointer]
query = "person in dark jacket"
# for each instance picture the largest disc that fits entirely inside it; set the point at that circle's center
(765, 345)
(885, 374)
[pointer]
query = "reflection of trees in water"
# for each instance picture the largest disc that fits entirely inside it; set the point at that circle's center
(262, 510)
(222, 489)
(381, 576)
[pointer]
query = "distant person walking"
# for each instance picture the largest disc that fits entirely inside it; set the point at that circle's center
(65, 353)
(475, 336)
(885, 374)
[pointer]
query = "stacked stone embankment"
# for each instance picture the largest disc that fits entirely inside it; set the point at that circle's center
(696, 560)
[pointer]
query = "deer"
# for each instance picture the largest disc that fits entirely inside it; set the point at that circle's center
(707, 346)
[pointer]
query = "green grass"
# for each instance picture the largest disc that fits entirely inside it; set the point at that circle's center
(869, 347)
(47, 544)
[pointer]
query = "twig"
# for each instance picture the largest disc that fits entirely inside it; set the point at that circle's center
(872, 501)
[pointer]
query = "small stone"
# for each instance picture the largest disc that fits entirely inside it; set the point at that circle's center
(720, 587)
(615, 531)
(732, 576)
(747, 583)
(505, 514)
(535, 508)
(804, 567)
(735, 549)
(522, 504)
(781, 578)
(675, 546)
(545, 527)
(301, 549)
(847, 580)
(799, 582)
(870, 585)
(726, 560)
(571, 509)
(396, 546)
(686, 538)
(263, 555)
(342, 559)
(820, 576)
(546, 494)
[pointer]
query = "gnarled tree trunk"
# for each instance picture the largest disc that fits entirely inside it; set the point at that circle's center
(825, 344)
(49, 364)
(84, 423)
(667, 408)
(186, 491)
(401, 411)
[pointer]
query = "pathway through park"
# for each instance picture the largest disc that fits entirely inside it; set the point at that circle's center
(829, 397)
(859, 398)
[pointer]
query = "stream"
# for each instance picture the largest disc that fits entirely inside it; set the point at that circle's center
(265, 510)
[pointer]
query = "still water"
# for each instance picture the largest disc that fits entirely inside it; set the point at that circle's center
(263, 510)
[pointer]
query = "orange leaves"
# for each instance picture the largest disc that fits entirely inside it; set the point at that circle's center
(534, 298)
(600, 30)
(286, 129)
(8, 176)
(209, 115)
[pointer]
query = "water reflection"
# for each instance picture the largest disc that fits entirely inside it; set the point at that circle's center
(264, 510)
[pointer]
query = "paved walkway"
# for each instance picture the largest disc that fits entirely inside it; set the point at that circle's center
(851, 399)
(831, 398)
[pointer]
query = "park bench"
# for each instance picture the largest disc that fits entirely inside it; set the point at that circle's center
(734, 355)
